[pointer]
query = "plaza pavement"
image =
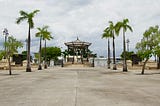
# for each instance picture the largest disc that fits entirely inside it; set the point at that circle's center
(79, 87)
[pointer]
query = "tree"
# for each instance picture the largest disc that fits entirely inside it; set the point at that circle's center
(11, 47)
(157, 52)
(157, 48)
(2, 54)
(124, 26)
(149, 45)
(65, 54)
(29, 17)
(52, 53)
(112, 31)
(87, 53)
(46, 36)
(43, 34)
(128, 55)
(24, 53)
(36, 57)
(107, 34)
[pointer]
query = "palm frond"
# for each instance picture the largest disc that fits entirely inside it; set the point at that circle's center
(107, 34)
(20, 19)
(39, 29)
(44, 33)
(103, 35)
(118, 27)
(130, 28)
(35, 12)
(45, 27)
(23, 13)
(47, 35)
(125, 21)
(110, 22)
(32, 14)
(38, 34)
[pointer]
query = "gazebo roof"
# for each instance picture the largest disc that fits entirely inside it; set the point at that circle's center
(77, 43)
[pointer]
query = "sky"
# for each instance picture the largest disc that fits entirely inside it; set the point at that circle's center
(86, 19)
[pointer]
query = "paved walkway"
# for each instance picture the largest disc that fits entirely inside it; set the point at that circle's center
(79, 87)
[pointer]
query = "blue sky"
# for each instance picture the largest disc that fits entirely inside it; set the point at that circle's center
(83, 18)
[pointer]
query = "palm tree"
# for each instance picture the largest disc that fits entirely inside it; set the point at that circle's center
(123, 25)
(112, 31)
(42, 33)
(29, 18)
(46, 36)
(107, 35)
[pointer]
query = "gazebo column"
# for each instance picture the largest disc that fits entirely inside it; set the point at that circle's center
(76, 55)
(81, 55)
(73, 55)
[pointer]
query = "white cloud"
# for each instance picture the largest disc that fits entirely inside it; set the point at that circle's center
(83, 18)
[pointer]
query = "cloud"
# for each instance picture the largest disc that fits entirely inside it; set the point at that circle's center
(83, 18)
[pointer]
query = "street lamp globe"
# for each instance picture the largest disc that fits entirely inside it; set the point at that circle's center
(5, 32)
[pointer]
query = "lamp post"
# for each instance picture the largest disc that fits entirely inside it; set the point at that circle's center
(5, 33)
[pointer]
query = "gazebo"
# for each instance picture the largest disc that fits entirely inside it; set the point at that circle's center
(77, 49)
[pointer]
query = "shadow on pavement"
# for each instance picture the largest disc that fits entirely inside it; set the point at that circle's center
(1, 74)
(147, 73)
(114, 72)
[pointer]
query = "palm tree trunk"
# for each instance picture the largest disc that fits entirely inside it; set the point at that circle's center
(124, 51)
(45, 58)
(109, 60)
(9, 63)
(28, 69)
(40, 67)
(144, 65)
(114, 60)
